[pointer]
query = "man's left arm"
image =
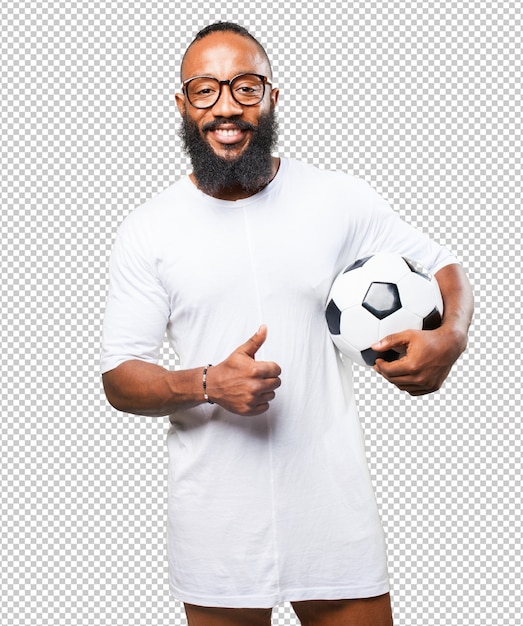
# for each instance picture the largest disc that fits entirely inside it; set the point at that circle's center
(431, 354)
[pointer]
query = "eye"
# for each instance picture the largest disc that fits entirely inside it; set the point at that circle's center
(202, 88)
(248, 86)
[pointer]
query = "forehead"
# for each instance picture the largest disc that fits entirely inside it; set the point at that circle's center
(224, 55)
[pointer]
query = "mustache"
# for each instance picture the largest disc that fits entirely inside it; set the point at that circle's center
(219, 121)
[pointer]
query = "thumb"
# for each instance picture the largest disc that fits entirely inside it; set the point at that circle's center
(252, 345)
(392, 341)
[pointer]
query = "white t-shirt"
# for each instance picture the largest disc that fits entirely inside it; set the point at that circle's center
(278, 507)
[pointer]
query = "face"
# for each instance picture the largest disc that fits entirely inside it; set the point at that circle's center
(228, 131)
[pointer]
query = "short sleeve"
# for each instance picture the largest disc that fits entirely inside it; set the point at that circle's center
(382, 230)
(137, 310)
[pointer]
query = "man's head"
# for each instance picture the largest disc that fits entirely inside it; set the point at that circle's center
(226, 27)
(228, 130)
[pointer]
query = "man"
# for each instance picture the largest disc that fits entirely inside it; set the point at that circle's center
(269, 494)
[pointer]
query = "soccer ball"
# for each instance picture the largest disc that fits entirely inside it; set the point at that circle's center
(378, 296)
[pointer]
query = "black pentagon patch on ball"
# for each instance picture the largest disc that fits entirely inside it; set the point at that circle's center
(333, 315)
(369, 355)
(432, 320)
(356, 264)
(382, 299)
(417, 268)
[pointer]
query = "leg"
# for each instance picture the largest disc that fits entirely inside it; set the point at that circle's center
(358, 612)
(211, 616)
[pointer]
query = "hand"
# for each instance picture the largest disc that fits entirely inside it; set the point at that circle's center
(428, 358)
(241, 384)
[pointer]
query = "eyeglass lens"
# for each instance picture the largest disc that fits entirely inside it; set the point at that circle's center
(247, 89)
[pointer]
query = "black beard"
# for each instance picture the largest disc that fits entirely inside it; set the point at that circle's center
(250, 172)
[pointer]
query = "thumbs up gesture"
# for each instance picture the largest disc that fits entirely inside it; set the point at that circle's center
(241, 384)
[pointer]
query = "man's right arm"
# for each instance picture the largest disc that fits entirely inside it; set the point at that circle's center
(148, 389)
(239, 384)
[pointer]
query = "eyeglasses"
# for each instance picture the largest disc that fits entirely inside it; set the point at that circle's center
(204, 92)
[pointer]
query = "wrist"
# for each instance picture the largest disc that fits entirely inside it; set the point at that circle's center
(454, 335)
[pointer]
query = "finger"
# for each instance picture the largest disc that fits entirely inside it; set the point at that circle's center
(393, 369)
(270, 371)
(406, 380)
(257, 410)
(252, 345)
(392, 341)
(264, 398)
(263, 388)
(415, 389)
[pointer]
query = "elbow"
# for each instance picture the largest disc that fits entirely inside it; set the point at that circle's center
(127, 394)
(118, 391)
(115, 399)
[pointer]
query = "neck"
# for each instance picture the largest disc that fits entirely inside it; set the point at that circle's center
(236, 192)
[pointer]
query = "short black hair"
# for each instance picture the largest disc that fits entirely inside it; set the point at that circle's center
(220, 27)
(224, 27)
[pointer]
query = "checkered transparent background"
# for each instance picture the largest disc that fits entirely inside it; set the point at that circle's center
(420, 98)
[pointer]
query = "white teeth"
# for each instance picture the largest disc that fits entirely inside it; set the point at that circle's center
(228, 132)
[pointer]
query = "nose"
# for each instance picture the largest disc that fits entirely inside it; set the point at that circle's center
(226, 105)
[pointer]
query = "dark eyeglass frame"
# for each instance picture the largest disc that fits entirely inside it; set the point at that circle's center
(264, 80)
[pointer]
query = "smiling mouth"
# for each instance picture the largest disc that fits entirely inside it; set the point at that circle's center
(228, 136)
(228, 132)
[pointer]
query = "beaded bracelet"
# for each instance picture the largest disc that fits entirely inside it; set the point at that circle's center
(204, 383)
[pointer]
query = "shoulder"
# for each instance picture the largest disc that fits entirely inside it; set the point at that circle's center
(156, 214)
(311, 175)
(329, 187)
(159, 205)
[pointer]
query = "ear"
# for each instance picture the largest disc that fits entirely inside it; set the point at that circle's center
(275, 94)
(180, 102)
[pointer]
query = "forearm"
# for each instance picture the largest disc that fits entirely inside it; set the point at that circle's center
(458, 303)
(147, 389)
